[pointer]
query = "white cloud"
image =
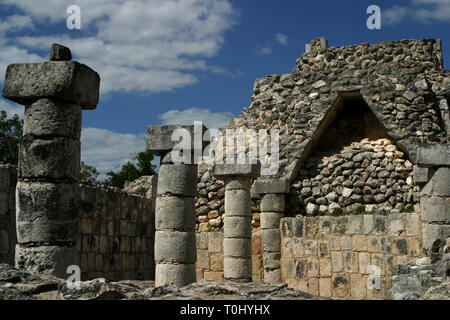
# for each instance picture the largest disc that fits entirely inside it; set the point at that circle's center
(12, 108)
(282, 39)
(212, 120)
(265, 49)
(147, 46)
(424, 11)
(107, 150)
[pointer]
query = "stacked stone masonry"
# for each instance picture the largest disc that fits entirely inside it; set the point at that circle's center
(116, 238)
(337, 256)
(8, 239)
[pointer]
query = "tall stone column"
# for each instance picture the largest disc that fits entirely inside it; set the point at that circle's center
(237, 243)
(434, 159)
(175, 216)
(272, 210)
(47, 193)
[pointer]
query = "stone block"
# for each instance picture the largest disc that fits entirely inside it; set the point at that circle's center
(222, 171)
(47, 212)
(65, 80)
(271, 240)
(351, 262)
(341, 285)
(311, 248)
(237, 269)
(435, 209)
(272, 203)
(176, 247)
(438, 185)
(337, 261)
(272, 276)
(325, 266)
(202, 260)
(298, 249)
(53, 260)
(420, 175)
(238, 248)
(412, 224)
(286, 227)
(60, 53)
(216, 262)
(160, 140)
(325, 287)
(270, 220)
(359, 243)
(313, 286)
(279, 186)
(364, 262)
(271, 260)
(216, 276)
(355, 225)
(358, 285)
(178, 274)
(395, 224)
(175, 213)
(215, 242)
(49, 118)
(368, 224)
(57, 158)
(178, 180)
(429, 155)
(313, 267)
(237, 227)
(346, 243)
(237, 203)
(432, 233)
(324, 248)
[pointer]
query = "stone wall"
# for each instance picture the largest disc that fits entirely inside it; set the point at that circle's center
(8, 239)
(210, 256)
(117, 234)
(331, 256)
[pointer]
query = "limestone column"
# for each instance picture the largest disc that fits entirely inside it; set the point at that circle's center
(272, 210)
(175, 216)
(434, 197)
(237, 243)
(47, 193)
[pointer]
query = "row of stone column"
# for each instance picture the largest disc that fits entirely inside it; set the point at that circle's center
(47, 193)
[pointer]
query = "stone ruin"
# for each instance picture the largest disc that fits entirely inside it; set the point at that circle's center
(359, 207)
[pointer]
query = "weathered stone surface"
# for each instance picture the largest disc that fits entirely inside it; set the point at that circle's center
(237, 227)
(237, 203)
(177, 179)
(60, 53)
(272, 203)
(47, 212)
(48, 118)
(175, 213)
(420, 175)
(222, 171)
(178, 247)
(271, 186)
(57, 158)
(182, 274)
(433, 155)
(237, 269)
(159, 138)
(53, 260)
(237, 248)
(439, 185)
(65, 80)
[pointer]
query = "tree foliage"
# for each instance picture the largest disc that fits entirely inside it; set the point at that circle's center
(10, 133)
(88, 173)
(141, 165)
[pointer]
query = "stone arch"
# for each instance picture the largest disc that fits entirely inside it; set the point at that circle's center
(346, 106)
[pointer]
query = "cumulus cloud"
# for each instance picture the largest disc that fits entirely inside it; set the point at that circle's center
(210, 119)
(148, 46)
(282, 39)
(423, 11)
(267, 49)
(107, 150)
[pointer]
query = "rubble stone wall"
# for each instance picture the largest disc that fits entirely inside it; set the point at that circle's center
(8, 238)
(116, 235)
(338, 256)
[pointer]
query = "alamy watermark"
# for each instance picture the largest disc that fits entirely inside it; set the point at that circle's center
(73, 20)
(229, 146)
(374, 21)
(74, 280)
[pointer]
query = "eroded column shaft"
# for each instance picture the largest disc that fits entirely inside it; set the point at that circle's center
(175, 241)
(237, 243)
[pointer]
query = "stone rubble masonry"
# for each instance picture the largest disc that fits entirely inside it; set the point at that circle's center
(334, 256)
(175, 241)
(8, 238)
(48, 206)
(237, 243)
(272, 208)
(116, 234)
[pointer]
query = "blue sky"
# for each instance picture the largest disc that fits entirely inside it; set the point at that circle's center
(166, 61)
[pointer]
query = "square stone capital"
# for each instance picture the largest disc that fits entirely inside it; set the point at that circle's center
(66, 80)
(271, 186)
(159, 138)
(433, 155)
(223, 171)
